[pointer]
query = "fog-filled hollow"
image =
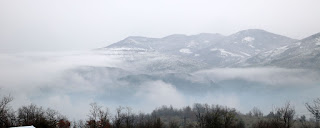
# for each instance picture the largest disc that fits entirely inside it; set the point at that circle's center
(70, 81)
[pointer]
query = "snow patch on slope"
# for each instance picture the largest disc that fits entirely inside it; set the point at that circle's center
(192, 44)
(317, 41)
(132, 41)
(250, 45)
(214, 49)
(223, 52)
(246, 54)
(276, 51)
(185, 50)
(248, 39)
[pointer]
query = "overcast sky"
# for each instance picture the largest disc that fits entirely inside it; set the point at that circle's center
(62, 25)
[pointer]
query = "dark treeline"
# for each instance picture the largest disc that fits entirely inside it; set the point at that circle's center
(196, 116)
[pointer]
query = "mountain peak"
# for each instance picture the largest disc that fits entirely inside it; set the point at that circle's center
(135, 37)
(258, 33)
(317, 35)
(252, 31)
(312, 41)
(175, 36)
(208, 34)
(255, 30)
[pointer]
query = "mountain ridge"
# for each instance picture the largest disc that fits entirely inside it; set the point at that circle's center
(251, 47)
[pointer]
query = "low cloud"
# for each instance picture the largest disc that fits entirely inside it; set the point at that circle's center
(157, 93)
(270, 75)
(69, 82)
(41, 78)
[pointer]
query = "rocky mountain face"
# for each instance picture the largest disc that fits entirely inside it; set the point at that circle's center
(207, 50)
(304, 53)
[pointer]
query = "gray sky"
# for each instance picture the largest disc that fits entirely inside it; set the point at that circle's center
(62, 25)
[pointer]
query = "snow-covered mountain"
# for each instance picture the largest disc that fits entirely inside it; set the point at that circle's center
(213, 50)
(301, 54)
(238, 47)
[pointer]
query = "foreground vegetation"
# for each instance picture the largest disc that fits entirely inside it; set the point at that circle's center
(197, 116)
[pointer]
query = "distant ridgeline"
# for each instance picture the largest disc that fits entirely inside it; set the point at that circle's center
(247, 48)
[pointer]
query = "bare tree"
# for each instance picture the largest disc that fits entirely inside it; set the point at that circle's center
(173, 124)
(303, 122)
(52, 117)
(98, 118)
(229, 116)
(32, 115)
(79, 124)
(141, 120)
(129, 118)
(6, 114)
(199, 110)
(287, 113)
(255, 112)
(157, 123)
(214, 116)
(315, 110)
(118, 119)
(282, 118)
(261, 124)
